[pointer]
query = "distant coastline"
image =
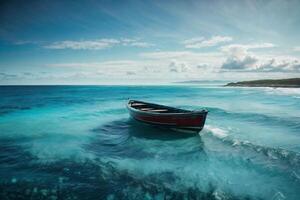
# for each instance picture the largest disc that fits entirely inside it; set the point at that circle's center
(286, 83)
(201, 82)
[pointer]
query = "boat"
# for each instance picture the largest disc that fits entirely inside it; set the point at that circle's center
(165, 116)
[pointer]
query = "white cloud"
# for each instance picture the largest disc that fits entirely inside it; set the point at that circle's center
(141, 44)
(75, 65)
(130, 73)
(135, 43)
(5, 76)
(200, 42)
(244, 47)
(85, 44)
(297, 48)
(194, 60)
(162, 65)
(193, 40)
(279, 65)
(127, 40)
(183, 65)
(203, 66)
(97, 44)
(181, 55)
(240, 59)
(258, 66)
(166, 54)
(94, 65)
(178, 67)
(243, 63)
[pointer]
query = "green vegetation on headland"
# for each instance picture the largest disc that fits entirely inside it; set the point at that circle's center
(292, 83)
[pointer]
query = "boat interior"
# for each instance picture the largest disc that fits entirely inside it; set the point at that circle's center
(149, 107)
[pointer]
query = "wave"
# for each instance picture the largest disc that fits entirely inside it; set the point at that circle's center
(282, 156)
(6, 109)
(103, 180)
(291, 122)
(217, 132)
(295, 92)
(12, 154)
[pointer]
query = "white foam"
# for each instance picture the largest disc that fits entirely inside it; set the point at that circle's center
(215, 131)
(296, 175)
(236, 143)
(47, 151)
(278, 196)
(284, 91)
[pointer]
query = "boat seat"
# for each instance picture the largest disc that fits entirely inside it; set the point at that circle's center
(146, 109)
(159, 110)
(138, 104)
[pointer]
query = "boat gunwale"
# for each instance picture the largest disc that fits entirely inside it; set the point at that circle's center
(185, 112)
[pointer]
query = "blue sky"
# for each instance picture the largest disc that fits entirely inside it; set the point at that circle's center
(123, 42)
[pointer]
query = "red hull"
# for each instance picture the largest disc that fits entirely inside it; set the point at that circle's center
(188, 120)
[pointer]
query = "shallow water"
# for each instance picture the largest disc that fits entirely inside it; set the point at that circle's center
(59, 142)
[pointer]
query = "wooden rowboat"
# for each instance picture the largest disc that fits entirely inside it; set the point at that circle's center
(165, 116)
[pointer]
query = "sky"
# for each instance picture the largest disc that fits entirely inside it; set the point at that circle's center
(124, 42)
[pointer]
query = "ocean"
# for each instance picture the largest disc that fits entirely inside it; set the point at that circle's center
(78, 142)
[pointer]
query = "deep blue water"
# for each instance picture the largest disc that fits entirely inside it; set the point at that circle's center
(77, 142)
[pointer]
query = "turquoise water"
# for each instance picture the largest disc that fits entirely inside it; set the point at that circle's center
(59, 142)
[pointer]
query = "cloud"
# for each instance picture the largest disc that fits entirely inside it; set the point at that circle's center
(26, 42)
(181, 55)
(235, 63)
(193, 40)
(277, 65)
(203, 66)
(200, 42)
(5, 76)
(86, 44)
(97, 44)
(73, 65)
(130, 73)
(166, 54)
(140, 44)
(167, 65)
(28, 74)
(112, 68)
(150, 65)
(254, 64)
(208, 62)
(239, 59)
(297, 48)
(93, 65)
(135, 43)
(245, 47)
(178, 67)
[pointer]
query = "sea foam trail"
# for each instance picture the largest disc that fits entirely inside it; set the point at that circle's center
(284, 159)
